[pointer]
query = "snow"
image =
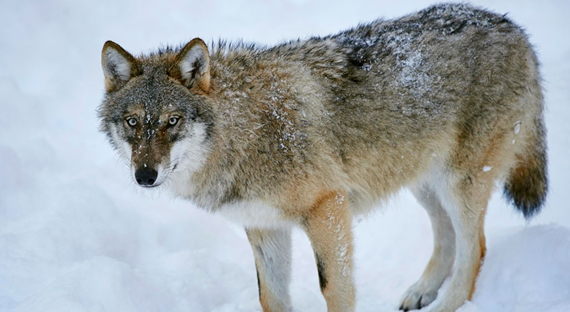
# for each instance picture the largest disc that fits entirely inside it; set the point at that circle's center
(517, 127)
(76, 234)
(509, 283)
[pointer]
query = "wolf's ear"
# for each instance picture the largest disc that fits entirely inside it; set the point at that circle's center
(118, 66)
(192, 66)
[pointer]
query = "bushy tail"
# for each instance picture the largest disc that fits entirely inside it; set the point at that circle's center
(527, 183)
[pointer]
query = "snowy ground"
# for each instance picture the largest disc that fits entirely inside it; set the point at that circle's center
(77, 235)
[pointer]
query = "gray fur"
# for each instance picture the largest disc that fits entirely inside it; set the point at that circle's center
(448, 97)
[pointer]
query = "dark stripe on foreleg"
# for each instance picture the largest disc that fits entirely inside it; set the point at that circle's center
(258, 282)
(321, 270)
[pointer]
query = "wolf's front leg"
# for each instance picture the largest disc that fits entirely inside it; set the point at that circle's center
(329, 227)
(272, 252)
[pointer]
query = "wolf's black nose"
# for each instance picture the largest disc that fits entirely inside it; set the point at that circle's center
(146, 176)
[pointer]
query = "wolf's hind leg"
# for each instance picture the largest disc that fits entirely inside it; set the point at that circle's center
(465, 200)
(424, 291)
(272, 252)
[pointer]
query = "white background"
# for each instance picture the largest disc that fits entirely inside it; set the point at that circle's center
(77, 235)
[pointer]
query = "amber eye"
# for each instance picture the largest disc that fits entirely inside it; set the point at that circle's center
(132, 121)
(173, 120)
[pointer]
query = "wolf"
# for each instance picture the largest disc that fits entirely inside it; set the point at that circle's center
(309, 133)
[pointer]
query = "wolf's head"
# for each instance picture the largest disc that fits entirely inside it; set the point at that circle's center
(154, 111)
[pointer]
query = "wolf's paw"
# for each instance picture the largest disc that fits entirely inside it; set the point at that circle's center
(417, 297)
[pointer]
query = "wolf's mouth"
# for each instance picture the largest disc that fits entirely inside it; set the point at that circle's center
(150, 186)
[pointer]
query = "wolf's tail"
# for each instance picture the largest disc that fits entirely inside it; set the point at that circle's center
(527, 183)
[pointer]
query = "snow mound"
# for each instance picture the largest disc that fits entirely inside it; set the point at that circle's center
(527, 271)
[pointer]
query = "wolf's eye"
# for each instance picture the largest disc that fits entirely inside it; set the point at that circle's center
(132, 121)
(173, 120)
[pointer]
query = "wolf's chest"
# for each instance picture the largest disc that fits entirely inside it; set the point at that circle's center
(253, 214)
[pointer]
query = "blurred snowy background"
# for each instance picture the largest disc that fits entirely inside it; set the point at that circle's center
(77, 235)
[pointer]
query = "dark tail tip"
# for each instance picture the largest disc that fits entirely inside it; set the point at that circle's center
(527, 185)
